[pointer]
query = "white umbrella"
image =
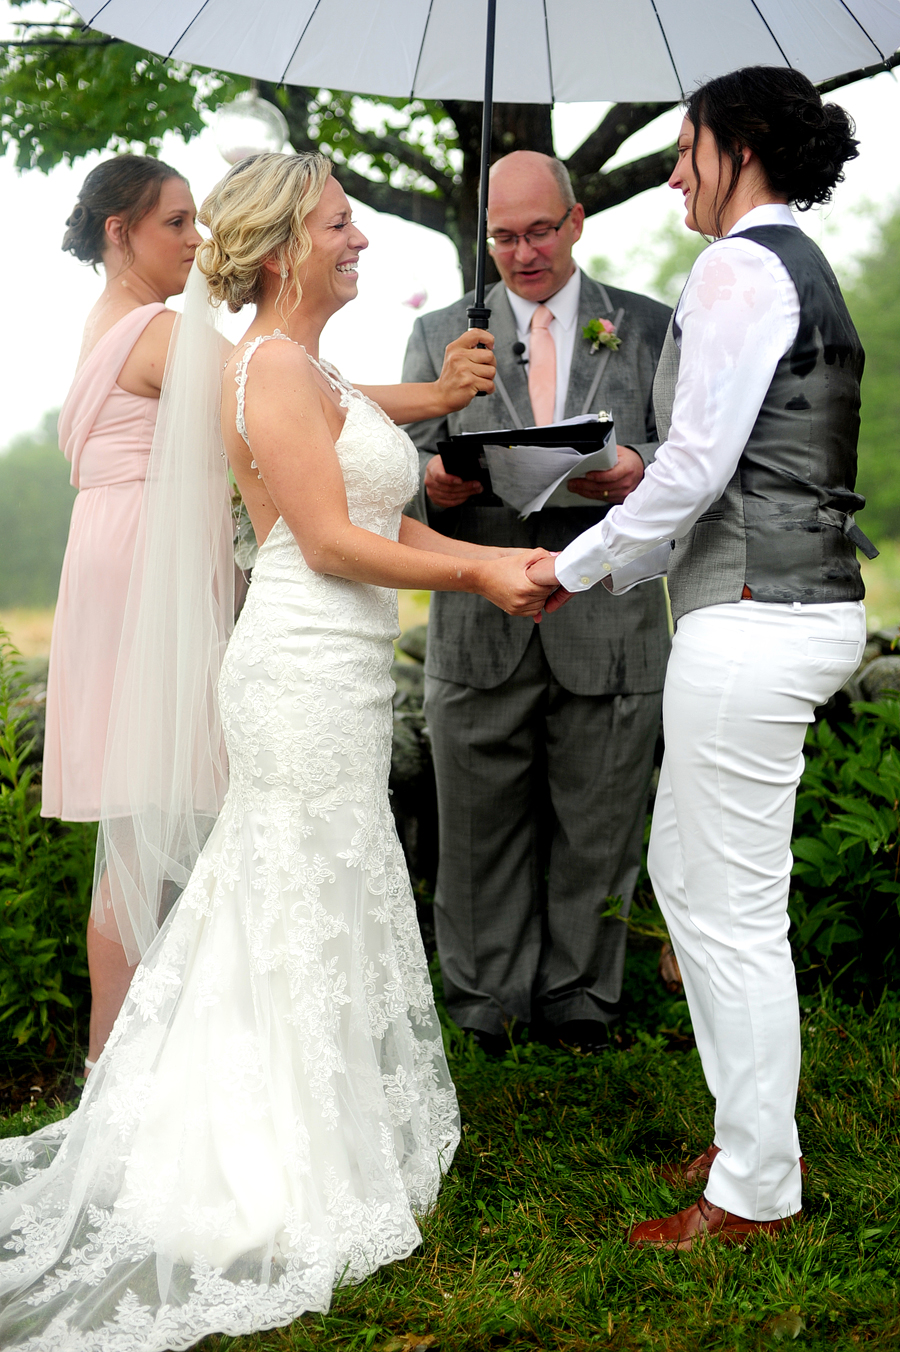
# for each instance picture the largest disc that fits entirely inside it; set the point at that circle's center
(547, 51)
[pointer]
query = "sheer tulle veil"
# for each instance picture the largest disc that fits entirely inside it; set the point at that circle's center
(165, 769)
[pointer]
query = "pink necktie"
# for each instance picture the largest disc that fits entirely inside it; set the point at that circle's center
(542, 367)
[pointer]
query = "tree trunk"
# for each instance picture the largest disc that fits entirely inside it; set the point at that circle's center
(516, 126)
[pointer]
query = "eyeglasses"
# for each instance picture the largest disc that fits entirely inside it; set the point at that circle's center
(503, 242)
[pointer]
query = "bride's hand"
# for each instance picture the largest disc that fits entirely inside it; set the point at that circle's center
(506, 583)
(543, 571)
(469, 366)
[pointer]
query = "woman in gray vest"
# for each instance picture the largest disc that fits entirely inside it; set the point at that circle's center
(748, 507)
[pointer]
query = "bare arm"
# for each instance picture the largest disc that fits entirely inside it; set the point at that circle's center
(145, 364)
(419, 536)
(469, 366)
(295, 453)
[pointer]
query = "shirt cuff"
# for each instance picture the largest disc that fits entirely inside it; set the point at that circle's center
(578, 575)
(646, 567)
(584, 563)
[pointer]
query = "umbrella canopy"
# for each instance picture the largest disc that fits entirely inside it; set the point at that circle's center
(547, 51)
(515, 51)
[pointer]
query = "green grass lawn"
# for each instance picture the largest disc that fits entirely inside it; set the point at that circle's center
(526, 1248)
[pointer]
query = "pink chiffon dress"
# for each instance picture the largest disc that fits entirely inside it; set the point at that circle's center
(106, 433)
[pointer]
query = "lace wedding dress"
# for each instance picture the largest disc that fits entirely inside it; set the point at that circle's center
(273, 1107)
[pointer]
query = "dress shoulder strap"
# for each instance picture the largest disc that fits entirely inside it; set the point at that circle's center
(333, 376)
(325, 369)
(240, 377)
(350, 395)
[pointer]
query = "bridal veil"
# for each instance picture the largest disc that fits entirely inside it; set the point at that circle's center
(165, 769)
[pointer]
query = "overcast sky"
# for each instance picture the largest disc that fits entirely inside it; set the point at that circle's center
(48, 293)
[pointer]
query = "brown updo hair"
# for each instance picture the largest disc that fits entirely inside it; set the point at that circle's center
(127, 186)
(258, 211)
(801, 142)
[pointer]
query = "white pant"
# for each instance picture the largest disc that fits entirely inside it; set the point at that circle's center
(742, 684)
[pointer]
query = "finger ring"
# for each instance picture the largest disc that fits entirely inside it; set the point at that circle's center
(606, 493)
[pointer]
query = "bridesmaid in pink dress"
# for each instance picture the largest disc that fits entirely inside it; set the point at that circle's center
(135, 216)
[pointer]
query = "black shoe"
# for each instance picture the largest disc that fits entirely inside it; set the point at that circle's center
(495, 1045)
(580, 1035)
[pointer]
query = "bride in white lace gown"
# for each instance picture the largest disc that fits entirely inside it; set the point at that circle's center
(273, 1108)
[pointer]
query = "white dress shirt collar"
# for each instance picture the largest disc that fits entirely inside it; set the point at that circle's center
(563, 306)
(771, 213)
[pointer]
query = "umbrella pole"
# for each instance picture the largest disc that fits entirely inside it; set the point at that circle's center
(479, 316)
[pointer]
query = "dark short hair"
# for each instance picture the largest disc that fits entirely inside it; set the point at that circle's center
(128, 186)
(801, 142)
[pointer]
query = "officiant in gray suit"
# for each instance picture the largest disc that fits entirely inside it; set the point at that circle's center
(543, 735)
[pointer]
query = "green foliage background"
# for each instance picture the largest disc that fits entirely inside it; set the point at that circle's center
(46, 872)
(35, 506)
(845, 899)
(874, 302)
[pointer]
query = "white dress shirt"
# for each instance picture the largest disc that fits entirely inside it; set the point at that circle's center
(564, 308)
(739, 314)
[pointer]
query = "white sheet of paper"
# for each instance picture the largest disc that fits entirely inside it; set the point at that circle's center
(558, 494)
(531, 477)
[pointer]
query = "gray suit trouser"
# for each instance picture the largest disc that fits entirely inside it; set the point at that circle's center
(564, 780)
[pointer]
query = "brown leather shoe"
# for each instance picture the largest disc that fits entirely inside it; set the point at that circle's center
(697, 1222)
(697, 1171)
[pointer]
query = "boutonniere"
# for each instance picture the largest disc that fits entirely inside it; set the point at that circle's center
(601, 333)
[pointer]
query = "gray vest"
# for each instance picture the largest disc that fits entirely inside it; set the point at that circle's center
(784, 525)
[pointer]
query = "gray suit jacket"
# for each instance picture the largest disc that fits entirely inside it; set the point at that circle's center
(597, 644)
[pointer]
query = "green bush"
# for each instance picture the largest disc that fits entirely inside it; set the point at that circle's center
(46, 871)
(35, 506)
(846, 906)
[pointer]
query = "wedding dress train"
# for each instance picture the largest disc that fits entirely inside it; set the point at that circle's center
(273, 1107)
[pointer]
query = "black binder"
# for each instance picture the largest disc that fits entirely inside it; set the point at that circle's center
(463, 454)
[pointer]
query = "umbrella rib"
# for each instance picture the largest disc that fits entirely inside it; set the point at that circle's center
(668, 48)
(415, 77)
(549, 55)
(190, 25)
(105, 5)
(866, 34)
(299, 40)
(772, 35)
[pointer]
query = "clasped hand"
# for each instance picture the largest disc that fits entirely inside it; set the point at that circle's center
(541, 570)
(507, 582)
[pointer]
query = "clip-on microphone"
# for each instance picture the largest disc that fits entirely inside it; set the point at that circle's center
(518, 352)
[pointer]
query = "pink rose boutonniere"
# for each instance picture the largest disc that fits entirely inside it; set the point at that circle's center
(601, 333)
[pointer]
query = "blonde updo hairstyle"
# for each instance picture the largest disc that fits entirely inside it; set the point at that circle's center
(258, 211)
